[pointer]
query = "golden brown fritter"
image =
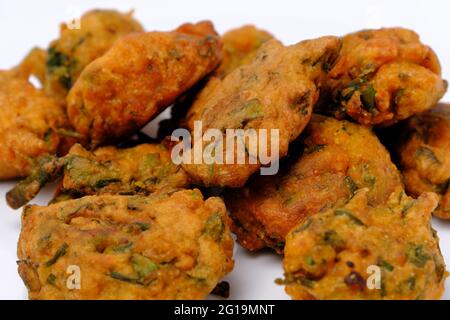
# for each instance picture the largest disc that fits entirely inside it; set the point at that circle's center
(32, 125)
(77, 48)
(144, 169)
(383, 76)
(34, 64)
(358, 251)
(139, 77)
(425, 156)
(339, 157)
(277, 90)
(159, 247)
(240, 47)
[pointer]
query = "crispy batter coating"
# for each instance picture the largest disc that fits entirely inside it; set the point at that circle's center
(277, 90)
(338, 254)
(239, 48)
(144, 169)
(383, 76)
(339, 157)
(139, 77)
(425, 156)
(159, 247)
(32, 125)
(77, 48)
(34, 64)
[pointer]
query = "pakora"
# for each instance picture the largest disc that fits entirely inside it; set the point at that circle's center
(276, 91)
(336, 158)
(33, 125)
(425, 156)
(78, 46)
(140, 76)
(140, 170)
(358, 251)
(239, 47)
(34, 64)
(175, 246)
(383, 76)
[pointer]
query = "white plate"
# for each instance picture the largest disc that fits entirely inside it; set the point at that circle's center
(24, 24)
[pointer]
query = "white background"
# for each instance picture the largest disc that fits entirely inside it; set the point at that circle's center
(24, 24)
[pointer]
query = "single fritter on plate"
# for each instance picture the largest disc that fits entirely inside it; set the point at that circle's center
(143, 169)
(359, 251)
(339, 157)
(425, 156)
(140, 76)
(174, 246)
(32, 125)
(277, 90)
(383, 76)
(81, 43)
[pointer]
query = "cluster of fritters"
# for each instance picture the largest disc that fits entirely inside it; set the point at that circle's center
(364, 150)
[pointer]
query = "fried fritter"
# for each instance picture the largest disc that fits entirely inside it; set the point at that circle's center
(34, 64)
(425, 156)
(358, 251)
(383, 76)
(139, 77)
(339, 157)
(277, 90)
(239, 48)
(158, 247)
(144, 169)
(77, 48)
(32, 125)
